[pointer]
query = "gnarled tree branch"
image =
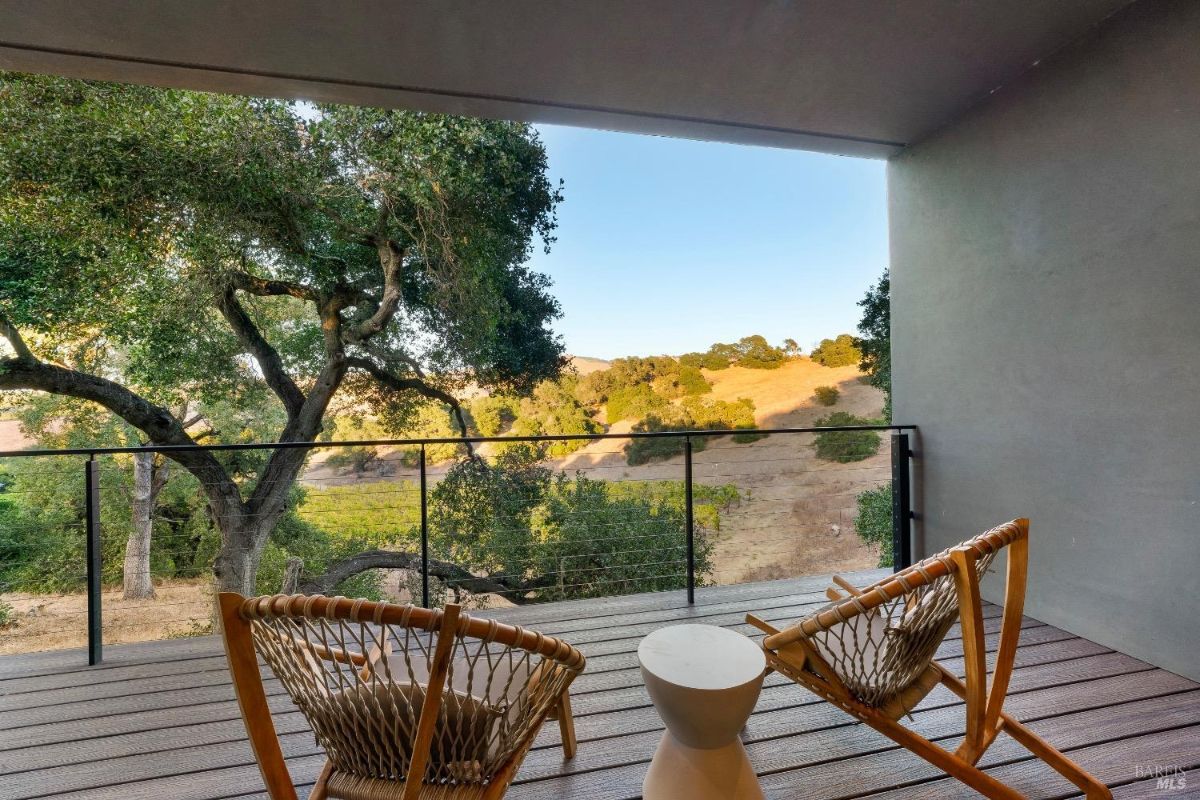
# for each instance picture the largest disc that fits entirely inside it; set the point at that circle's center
(269, 499)
(265, 287)
(155, 422)
(342, 292)
(391, 260)
(10, 332)
(398, 384)
(445, 571)
(267, 356)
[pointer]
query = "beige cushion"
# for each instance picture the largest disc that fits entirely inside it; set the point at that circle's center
(878, 659)
(499, 683)
(851, 648)
(385, 717)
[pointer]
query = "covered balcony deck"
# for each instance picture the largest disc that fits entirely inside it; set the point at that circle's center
(159, 719)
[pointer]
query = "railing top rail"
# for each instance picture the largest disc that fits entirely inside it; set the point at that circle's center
(100, 451)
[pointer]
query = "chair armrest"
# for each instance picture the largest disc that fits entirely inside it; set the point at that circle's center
(850, 588)
(762, 626)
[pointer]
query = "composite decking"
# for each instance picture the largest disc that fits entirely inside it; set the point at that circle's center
(158, 720)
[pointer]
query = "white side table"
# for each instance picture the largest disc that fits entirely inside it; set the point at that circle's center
(704, 682)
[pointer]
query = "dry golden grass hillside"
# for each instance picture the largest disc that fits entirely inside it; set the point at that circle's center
(797, 513)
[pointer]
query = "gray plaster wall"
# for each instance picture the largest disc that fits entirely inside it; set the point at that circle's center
(1046, 329)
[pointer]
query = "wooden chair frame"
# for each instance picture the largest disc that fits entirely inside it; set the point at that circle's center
(256, 713)
(790, 652)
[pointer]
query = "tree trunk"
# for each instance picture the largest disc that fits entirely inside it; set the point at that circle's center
(137, 580)
(242, 541)
(236, 566)
(246, 526)
(291, 575)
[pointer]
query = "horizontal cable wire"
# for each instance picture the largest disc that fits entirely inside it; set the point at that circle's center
(380, 506)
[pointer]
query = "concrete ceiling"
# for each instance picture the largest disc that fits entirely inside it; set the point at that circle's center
(858, 77)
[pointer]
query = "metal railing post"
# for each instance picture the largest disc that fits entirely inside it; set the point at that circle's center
(424, 535)
(91, 484)
(901, 502)
(690, 520)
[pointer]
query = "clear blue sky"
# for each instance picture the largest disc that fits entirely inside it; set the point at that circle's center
(668, 245)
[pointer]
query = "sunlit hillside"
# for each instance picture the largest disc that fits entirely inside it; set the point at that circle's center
(796, 515)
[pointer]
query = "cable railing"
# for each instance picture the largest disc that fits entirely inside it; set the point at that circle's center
(92, 551)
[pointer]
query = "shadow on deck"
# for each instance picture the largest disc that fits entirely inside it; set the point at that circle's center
(159, 719)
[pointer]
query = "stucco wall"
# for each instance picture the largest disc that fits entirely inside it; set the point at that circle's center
(1046, 329)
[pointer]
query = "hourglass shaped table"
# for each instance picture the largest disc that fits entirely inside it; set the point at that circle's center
(704, 682)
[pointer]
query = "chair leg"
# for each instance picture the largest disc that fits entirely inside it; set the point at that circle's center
(1094, 789)
(319, 792)
(252, 698)
(943, 759)
(566, 725)
(1039, 747)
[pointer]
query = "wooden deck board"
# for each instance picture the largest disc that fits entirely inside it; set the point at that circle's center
(159, 720)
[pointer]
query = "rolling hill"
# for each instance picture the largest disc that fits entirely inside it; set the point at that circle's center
(796, 515)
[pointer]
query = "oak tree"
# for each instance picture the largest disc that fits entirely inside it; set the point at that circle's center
(228, 245)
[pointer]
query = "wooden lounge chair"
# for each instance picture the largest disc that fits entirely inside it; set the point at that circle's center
(870, 653)
(406, 702)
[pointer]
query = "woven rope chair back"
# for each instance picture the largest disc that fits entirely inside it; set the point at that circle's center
(358, 671)
(881, 641)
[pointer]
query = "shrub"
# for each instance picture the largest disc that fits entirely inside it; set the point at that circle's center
(348, 427)
(491, 413)
(686, 381)
(716, 361)
(845, 447)
(827, 395)
(7, 617)
(432, 421)
(356, 458)
(318, 548)
(874, 521)
(693, 382)
(755, 353)
(564, 536)
(647, 555)
(553, 410)
(598, 387)
(839, 352)
(694, 413)
(752, 352)
(707, 501)
(724, 415)
(643, 451)
(41, 527)
(634, 402)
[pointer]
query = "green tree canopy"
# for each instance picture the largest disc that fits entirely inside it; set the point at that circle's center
(876, 340)
(845, 447)
(229, 244)
(526, 532)
(554, 410)
(752, 352)
(839, 352)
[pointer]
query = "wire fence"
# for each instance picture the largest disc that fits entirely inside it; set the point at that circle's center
(521, 520)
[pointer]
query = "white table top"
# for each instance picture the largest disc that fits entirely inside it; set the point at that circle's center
(701, 657)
